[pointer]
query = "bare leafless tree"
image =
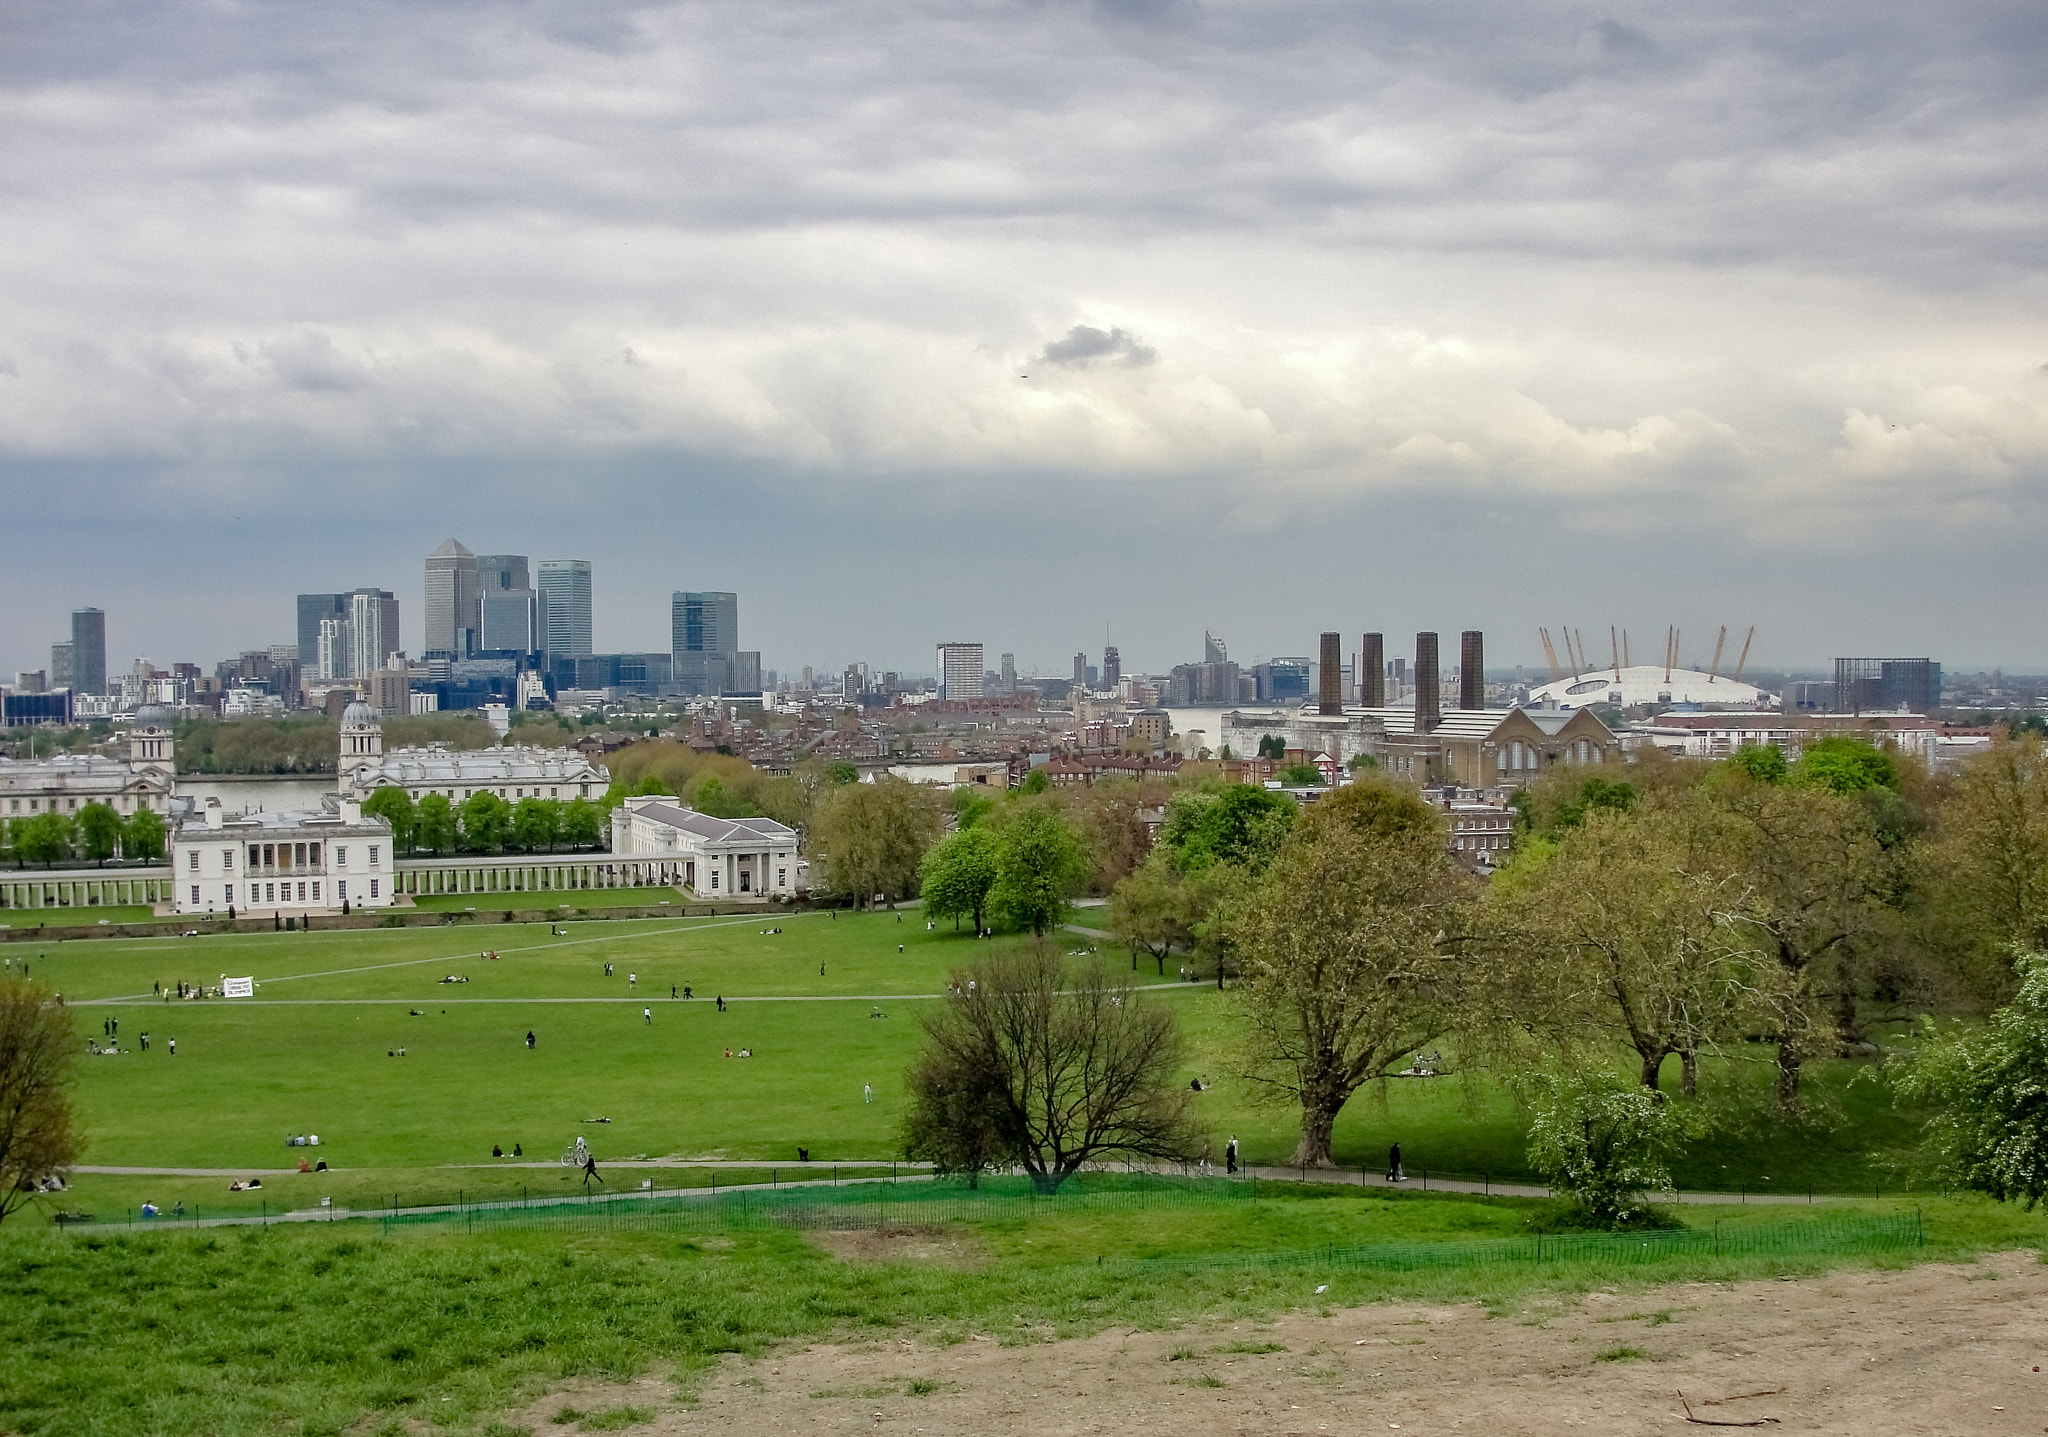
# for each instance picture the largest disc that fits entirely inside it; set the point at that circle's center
(1047, 1064)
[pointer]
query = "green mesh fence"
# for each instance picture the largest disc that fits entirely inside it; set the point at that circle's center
(928, 1204)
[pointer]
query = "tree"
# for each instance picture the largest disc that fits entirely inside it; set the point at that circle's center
(1040, 864)
(486, 822)
(871, 837)
(1988, 1090)
(1842, 764)
(1152, 909)
(1602, 1142)
(37, 1138)
(1627, 923)
(1986, 870)
(1346, 950)
(1301, 775)
(1272, 746)
(434, 826)
(970, 807)
(582, 824)
(537, 824)
(48, 839)
(1760, 761)
(99, 832)
(143, 837)
(395, 806)
(1048, 1065)
(1240, 824)
(959, 872)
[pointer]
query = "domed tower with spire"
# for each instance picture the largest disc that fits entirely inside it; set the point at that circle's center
(150, 746)
(362, 742)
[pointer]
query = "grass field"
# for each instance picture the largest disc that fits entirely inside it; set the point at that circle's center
(320, 1330)
(311, 1054)
(541, 900)
(77, 917)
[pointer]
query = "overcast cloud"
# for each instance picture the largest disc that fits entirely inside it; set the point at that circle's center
(1012, 321)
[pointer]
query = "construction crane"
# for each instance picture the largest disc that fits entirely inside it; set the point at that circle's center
(1719, 644)
(1741, 662)
(1550, 653)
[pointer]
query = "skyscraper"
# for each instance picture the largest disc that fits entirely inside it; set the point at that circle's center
(502, 571)
(960, 672)
(1080, 671)
(1213, 650)
(313, 608)
(1112, 667)
(704, 640)
(453, 616)
(89, 651)
(514, 620)
(63, 665)
(565, 596)
(1009, 673)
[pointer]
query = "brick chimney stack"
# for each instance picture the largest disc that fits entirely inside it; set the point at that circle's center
(1428, 675)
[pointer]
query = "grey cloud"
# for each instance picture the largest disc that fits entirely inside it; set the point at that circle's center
(1615, 38)
(1084, 344)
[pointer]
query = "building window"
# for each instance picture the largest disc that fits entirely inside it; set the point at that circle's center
(714, 881)
(302, 893)
(782, 878)
(313, 854)
(316, 890)
(270, 893)
(341, 891)
(373, 888)
(227, 860)
(340, 857)
(193, 864)
(373, 855)
(195, 893)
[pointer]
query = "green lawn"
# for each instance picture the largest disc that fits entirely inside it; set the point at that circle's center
(309, 1054)
(85, 917)
(327, 1329)
(542, 899)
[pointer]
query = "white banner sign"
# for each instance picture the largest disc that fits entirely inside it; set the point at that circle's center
(238, 987)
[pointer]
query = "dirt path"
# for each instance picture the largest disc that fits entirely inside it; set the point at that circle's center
(1934, 1350)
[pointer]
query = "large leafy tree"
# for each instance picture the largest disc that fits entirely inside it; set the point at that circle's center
(537, 824)
(871, 837)
(1156, 910)
(435, 828)
(1047, 1064)
(1041, 863)
(1985, 871)
(47, 838)
(99, 832)
(959, 874)
(582, 824)
(1348, 955)
(395, 806)
(38, 1138)
(1602, 1143)
(486, 822)
(1841, 763)
(1627, 924)
(1987, 1090)
(144, 835)
(1239, 824)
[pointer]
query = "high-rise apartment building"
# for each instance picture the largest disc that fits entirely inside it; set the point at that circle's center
(453, 616)
(88, 651)
(960, 671)
(564, 590)
(1213, 650)
(502, 571)
(63, 666)
(1080, 671)
(704, 637)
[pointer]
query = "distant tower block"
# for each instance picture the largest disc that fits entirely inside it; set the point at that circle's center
(1428, 675)
(1330, 676)
(1472, 670)
(1372, 672)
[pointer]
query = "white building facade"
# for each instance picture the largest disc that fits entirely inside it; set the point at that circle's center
(716, 857)
(66, 783)
(317, 862)
(510, 773)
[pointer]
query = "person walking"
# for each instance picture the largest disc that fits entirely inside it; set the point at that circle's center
(1230, 1156)
(590, 1170)
(174, 1047)
(867, 1092)
(529, 1037)
(1394, 1173)
(648, 1015)
(686, 992)
(721, 1002)
(145, 1042)
(632, 980)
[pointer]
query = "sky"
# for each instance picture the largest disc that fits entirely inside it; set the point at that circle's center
(1034, 323)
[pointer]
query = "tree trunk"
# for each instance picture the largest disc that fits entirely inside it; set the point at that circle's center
(1789, 1059)
(1689, 1081)
(1317, 1119)
(1653, 1067)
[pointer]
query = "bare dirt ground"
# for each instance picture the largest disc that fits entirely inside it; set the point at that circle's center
(1933, 1350)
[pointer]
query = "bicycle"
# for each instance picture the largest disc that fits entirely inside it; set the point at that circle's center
(576, 1154)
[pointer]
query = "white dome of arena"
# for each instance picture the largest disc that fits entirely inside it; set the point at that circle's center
(1648, 684)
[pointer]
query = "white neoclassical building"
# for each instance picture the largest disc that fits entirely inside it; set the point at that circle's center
(716, 857)
(289, 862)
(65, 783)
(511, 773)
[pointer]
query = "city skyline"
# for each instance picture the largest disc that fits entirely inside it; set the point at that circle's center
(1136, 307)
